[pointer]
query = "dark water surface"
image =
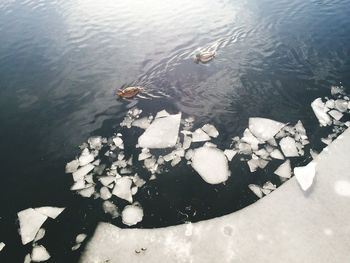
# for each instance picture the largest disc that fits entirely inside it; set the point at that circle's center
(62, 61)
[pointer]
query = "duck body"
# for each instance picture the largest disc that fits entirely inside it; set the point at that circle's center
(129, 92)
(204, 56)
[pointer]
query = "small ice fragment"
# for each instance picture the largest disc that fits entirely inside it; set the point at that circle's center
(262, 153)
(341, 105)
(105, 193)
(80, 238)
(27, 259)
(87, 192)
(270, 186)
(320, 111)
(138, 181)
(284, 170)
(49, 211)
(256, 189)
(72, 166)
(89, 179)
(118, 141)
(169, 157)
(200, 136)
(161, 114)
(253, 165)
(276, 154)
(2, 245)
(336, 114)
(272, 142)
(82, 171)
(132, 214)
(305, 175)
(151, 164)
(264, 129)
(78, 185)
(266, 191)
(244, 148)
(187, 142)
(230, 154)
(86, 157)
(106, 180)
(122, 188)
(211, 164)
(110, 208)
(39, 254)
(39, 235)
(337, 90)
(262, 163)
(299, 128)
(210, 144)
(144, 155)
(30, 222)
(189, 154)
(210, 130)
(76, 246)
(288, 147)
(142, 123)
(175, 161)
(162, 133)
(99, 169)
(330, 104)
(134, 190)
(326, 141)
(95, 142)
(250, 139)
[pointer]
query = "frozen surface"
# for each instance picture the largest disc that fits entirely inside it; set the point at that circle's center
(50, 211)
(162, 133)
(211, 164)
(305, 175)
(285, 226)
(132, 214)
(39, 254)
(264, 129)
(30, 222)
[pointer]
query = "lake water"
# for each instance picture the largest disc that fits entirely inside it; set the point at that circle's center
(61, 63)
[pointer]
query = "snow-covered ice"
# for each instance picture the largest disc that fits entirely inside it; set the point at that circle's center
(289, 147)
(320, 111)
(211, 164)
(39, 254)
(305, 175)
(264, 129)
(284, 170)
(162, 133)
(122, 188)
(132, 214)
(30, 222)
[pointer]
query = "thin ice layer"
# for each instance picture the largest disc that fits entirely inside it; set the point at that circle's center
(211, 164)
(264, 129)
(162, 133)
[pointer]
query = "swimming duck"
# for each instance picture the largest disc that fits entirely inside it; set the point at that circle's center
(129, 92)
(204, 56)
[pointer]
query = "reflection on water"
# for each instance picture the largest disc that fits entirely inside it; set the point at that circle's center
(62, 61)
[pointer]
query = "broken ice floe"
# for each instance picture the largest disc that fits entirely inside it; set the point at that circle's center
(203, 161)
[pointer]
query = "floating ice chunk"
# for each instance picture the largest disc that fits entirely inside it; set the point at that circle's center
(256, 189)
(118, 141)
(253, 164)
(30, 222)
(264, 129)
(106, 180)
(110, 208)
(122, 188)
(175, 161)
(138, 181)
(270, 186)
(337, 90)
(151, 164)
(272, 142)
(80, 238)
(87, 192)
(330, 104)
(132, 214)
(244, 148)
(336, 114)
(320, 111)
(95, 142)
(39, 254)
(284, 170)
(161, 114)
(211, 164)
(277, 154)
(210, 130)
(262, 163)
(82, 171)
(299, 128)
(27, 259)
(341, 105)
(249, 138)
(189, 154)
(162, 133)
(230, 154)
(105, 193)
(187, 142)
(86, 157)
(200, 136)
(210, 144)
(326, 141)
(49, 211)
(2, 245)
(40, 234)
(72, 166)
(262, 153)
(142, 123)
(144, 155)
(78, 185)
(305, 175)
(289, 147)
